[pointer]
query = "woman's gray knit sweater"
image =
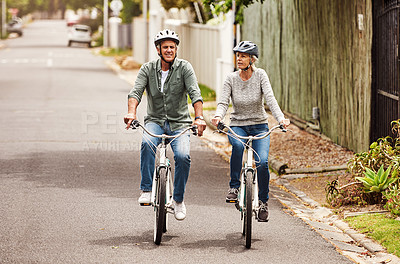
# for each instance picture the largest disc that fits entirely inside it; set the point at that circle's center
(247, 99)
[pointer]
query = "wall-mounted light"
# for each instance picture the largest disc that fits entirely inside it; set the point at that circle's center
(315, 113)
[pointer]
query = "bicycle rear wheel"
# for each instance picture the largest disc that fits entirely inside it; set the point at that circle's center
(248, 213)
(159, 207)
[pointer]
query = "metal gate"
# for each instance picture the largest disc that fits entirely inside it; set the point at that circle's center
(385, 67)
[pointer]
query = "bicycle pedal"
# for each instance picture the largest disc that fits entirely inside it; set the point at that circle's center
(231, 201)
(145, 204)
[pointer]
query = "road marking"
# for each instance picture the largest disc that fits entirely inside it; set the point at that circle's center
(22, 61)
(49, 63)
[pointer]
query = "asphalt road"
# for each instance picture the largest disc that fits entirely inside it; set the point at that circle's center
(69, 174)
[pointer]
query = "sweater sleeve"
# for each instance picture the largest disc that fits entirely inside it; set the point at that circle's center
(269, 97)
(223, 103)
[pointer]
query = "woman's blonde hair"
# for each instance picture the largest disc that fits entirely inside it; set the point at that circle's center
(253, 65)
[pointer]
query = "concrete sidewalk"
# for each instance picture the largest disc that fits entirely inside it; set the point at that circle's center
(2, 44)
(349, 242)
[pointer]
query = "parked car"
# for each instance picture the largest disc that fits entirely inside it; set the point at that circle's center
(15, 26)
(72, 20)
(80, 34)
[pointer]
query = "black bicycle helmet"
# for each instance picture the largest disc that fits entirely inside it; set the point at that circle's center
(166, 34)
(247, 47)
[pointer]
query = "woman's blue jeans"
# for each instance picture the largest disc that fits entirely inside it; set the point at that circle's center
(181, 148)
(261, 147)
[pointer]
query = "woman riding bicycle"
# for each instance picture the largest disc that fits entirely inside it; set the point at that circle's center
(247, 88)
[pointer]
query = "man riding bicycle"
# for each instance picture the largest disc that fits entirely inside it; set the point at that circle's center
(167, 81)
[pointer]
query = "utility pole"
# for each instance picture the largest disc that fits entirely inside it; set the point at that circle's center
(234, 32)
(3, 19)
(146, 29)
(105, 24)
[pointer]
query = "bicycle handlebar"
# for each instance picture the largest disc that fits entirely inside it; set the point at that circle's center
(135, 124)
(221, 127)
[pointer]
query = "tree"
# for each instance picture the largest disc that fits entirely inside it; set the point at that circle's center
(168, 4)
(225, 6)
(79, 4)
(132, 8)
(28, 6)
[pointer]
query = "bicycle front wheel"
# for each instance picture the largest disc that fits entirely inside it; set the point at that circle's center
(168, 193)
(248, 213)
(159, 207)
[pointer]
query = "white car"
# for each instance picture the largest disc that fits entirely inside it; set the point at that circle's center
(80, 34)
(15, 26)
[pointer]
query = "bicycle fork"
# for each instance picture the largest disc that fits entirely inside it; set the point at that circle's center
(164, 163)
(249, 166)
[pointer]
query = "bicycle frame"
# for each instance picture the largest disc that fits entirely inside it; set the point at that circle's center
(248, 161)
(163, 160)
(248, 208)
(248, 165)
(161, 195)
(163, 163)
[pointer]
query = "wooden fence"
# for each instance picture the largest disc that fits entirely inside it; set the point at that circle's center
(317, 53)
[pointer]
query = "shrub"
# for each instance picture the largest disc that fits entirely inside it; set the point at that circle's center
(392, 195)
(376, 182)
(372, 168)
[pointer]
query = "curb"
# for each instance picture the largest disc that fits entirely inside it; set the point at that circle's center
(377, 253)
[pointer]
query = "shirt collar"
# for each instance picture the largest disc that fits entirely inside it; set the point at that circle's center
(158, 67)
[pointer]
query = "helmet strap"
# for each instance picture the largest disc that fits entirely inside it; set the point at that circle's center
(248, 66)
(170, 63)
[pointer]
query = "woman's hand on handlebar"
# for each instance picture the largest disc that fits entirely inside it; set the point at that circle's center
(285, 123)
(215, 120)
(128, 119)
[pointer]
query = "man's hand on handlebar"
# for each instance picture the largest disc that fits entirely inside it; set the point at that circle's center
(201, 126)
(128, 119)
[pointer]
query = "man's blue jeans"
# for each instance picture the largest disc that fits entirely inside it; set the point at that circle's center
(181, 148)
(261, 147)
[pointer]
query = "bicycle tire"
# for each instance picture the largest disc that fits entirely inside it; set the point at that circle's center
(165, 227)
(160, 208)
(249, 208)
(243, 208)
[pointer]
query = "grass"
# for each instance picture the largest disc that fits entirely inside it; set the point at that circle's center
(114, 52)
(207, 93)
(381, 228)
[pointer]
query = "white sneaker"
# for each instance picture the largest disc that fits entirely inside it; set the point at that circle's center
(180, 211)
(145, 198)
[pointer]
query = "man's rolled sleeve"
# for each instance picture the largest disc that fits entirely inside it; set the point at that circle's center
(191, 84)
(140, 85)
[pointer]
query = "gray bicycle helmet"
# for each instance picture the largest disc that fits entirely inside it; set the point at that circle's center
(247, 47)
(166, 34)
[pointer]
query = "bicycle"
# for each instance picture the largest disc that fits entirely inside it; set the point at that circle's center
(247, 202)
(162, 188)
